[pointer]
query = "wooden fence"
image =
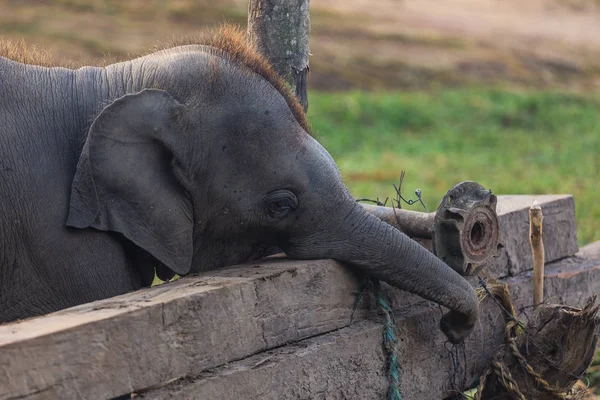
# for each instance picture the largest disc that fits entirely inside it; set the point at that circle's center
(282, 329)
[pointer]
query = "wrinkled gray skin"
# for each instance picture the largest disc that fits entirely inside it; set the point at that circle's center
(106, 173)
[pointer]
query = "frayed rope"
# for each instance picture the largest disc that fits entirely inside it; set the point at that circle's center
(389, 345)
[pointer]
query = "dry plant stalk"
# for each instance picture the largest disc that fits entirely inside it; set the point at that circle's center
(537, 249)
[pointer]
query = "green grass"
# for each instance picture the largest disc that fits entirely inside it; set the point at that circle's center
(510, 142)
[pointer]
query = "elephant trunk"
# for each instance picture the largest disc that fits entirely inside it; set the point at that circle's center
(387, 254)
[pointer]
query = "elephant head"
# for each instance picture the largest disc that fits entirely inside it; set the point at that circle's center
(211, 161)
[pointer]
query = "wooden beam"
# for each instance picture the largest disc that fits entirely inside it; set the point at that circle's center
(560, 232)
(345, 364)
(350, 363)
(131, 342)
(119, 345)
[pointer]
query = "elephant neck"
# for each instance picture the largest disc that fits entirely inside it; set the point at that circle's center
(56, 103)
(97, 87)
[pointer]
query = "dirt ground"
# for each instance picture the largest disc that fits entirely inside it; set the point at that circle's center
(539, 42)
(354, 43)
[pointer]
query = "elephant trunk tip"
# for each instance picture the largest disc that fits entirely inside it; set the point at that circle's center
(457, 325)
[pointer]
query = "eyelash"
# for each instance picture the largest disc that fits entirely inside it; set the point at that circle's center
(286, 203)
(281, 203)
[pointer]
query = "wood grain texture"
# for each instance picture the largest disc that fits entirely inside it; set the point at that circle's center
(536, 241)
(135, 341)
(560, 232)
(119, 345)
(349, 363)
(345, 364)
(559, 344)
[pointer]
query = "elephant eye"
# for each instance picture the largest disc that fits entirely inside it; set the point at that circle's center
(280, 203)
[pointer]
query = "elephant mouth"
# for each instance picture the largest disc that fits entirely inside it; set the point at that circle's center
(260, 250)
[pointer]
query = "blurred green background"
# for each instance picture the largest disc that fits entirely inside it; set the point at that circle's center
(502, 93)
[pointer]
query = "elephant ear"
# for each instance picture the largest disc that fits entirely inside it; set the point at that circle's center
(129, 177)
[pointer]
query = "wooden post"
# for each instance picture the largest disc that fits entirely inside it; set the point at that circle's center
(279, 29)
(537, 250)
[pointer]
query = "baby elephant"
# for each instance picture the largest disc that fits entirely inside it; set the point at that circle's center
(187, 159)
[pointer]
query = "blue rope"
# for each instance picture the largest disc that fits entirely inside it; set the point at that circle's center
(389, 344)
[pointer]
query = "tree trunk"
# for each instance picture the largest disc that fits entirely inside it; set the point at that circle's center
(279, 29)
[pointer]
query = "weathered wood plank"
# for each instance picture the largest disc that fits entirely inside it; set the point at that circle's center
(560, 232)
(134, 341)
(345, 364)
(349, 363)
(119, 345)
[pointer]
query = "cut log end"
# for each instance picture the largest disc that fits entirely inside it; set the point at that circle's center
(558, 343)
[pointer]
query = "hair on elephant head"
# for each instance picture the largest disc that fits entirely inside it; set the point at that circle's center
(201, 157)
